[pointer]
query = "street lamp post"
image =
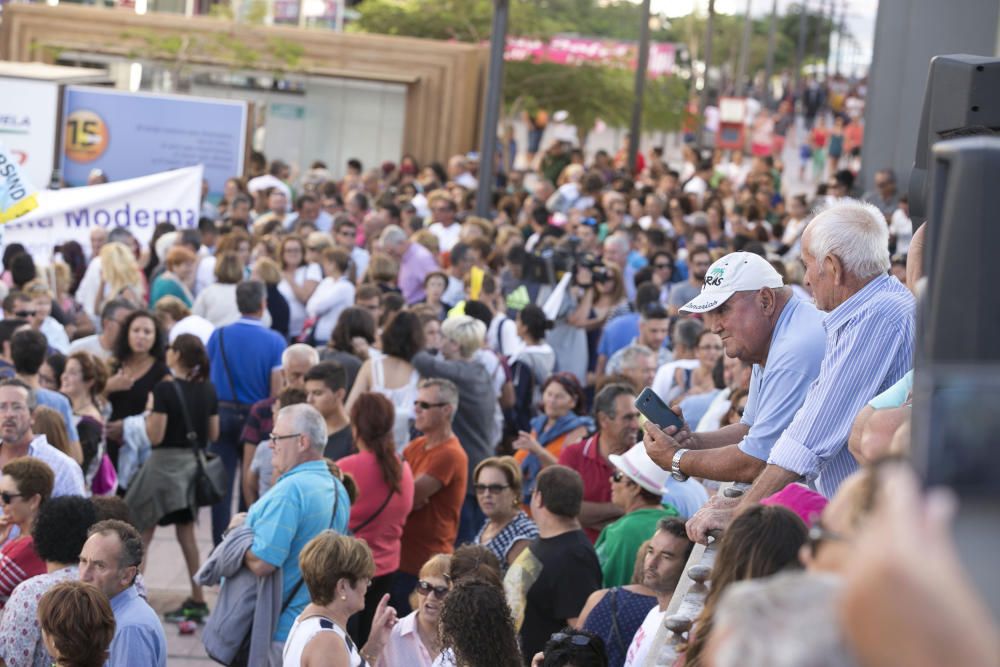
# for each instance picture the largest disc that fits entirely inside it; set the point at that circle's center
(769, 67)
(640, 86)
(491, 117)
(744, 51)
(703, 102)
(800, 52)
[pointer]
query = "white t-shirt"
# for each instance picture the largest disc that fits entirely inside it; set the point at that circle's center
(329, 300)
(91, 344)
(663, 383)
(638, 650)
(447, 236)
(902, 228)
(194, 325)
(297, 309)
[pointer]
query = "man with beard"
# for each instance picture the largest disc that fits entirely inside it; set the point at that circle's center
(699, 259)
(666, 556)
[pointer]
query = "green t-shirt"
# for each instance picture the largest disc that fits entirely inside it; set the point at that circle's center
(166, 286)
(619, 543)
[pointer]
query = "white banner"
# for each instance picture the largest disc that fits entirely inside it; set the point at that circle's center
(28, 125)
(137, 204)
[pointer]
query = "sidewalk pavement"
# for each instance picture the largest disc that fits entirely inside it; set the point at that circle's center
(168, 584)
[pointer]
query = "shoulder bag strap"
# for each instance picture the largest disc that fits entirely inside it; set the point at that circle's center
(375, 515)
(616, 633)
(191, 434)
(298, 584)
(225, 365)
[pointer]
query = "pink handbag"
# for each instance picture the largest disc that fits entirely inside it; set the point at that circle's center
(105, 482)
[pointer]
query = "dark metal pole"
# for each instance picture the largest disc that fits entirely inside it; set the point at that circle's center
(769, 66)
(818, 35)
(491, 116)
(800, 52)
(703, 102)
(640, 86)
(741, 71)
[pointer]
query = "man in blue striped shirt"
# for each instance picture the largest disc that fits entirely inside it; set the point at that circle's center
(869, 346)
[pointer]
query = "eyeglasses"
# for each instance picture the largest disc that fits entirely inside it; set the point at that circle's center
(25, 313)
(275, 438)
(425, 588)
(618, 476)
(424, 405)
(493, 489)
(818, 534)
(8, 497)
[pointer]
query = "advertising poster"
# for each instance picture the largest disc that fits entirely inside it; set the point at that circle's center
(28, 117)
(127, 135)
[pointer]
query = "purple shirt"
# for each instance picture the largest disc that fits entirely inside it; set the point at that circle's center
(416, 263)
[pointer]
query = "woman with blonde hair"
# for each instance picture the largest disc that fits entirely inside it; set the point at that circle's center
(337, 571)
(415, 640)
(120, 277)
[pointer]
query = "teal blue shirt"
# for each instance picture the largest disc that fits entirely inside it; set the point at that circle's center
(295, 510)
(164, 286)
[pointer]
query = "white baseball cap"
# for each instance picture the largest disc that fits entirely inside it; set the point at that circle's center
(736, 272)
(639, 468)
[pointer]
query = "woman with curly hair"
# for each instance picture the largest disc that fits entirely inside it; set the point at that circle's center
(476, 626)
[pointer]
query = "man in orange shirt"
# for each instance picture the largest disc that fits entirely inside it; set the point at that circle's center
(440, 471)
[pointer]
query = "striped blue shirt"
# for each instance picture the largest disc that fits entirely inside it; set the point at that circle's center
(869, 347)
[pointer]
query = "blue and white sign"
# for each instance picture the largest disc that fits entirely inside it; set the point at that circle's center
(127, 135)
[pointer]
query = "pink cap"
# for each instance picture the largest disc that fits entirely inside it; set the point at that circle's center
(800, 499)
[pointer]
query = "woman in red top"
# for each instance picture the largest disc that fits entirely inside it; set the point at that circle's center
(385, 497)
(26, 484)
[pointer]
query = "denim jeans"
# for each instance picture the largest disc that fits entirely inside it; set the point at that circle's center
(228, 447)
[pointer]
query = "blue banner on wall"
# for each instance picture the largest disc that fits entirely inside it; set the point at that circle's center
(127, 135)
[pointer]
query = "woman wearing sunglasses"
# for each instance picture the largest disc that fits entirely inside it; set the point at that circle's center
(507, 530)
(25, 486)
(415, 641)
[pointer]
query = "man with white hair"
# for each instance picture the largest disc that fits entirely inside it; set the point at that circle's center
(869, 347)
(306, 500)
(762, 323)
(415, 262)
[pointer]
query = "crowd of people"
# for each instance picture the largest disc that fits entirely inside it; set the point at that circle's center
(426, 421)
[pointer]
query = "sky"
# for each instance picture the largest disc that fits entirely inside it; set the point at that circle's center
(860, 20)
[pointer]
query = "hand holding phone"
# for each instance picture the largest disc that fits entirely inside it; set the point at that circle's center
(655, 410)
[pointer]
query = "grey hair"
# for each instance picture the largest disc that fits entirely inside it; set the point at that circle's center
(249, 295)
(856, 233)
(32, 398)
(392, 235)
(796, 611)
(309, 422)
(604, 402)
(446, 389)
(302, 351)
(632, 353)
(619, 239)
(686, 332)
(466, 332)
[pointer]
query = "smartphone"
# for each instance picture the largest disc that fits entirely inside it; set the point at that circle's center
(655, 410)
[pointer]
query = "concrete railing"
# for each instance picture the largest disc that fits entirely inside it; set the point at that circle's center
(689, 597)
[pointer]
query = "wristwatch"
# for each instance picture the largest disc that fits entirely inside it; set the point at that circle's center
(675, 466)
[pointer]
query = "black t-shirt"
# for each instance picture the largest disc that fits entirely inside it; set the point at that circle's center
(133, 401)
(339, 444)
(549, 583)
(201, 403)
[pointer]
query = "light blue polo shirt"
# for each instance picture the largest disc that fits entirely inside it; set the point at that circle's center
(295, 510)
(798, 344)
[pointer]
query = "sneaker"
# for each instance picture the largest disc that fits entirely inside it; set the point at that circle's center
(189, 611)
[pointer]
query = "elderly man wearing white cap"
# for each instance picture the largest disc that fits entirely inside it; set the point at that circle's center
(760, 322)
(636, 488)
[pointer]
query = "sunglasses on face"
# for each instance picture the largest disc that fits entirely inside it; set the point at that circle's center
(574, 639)
(663, 266)
(426, 588)
(7, 498)
(618, 476)
(494, 489)
(25, 313)
(424, 405)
